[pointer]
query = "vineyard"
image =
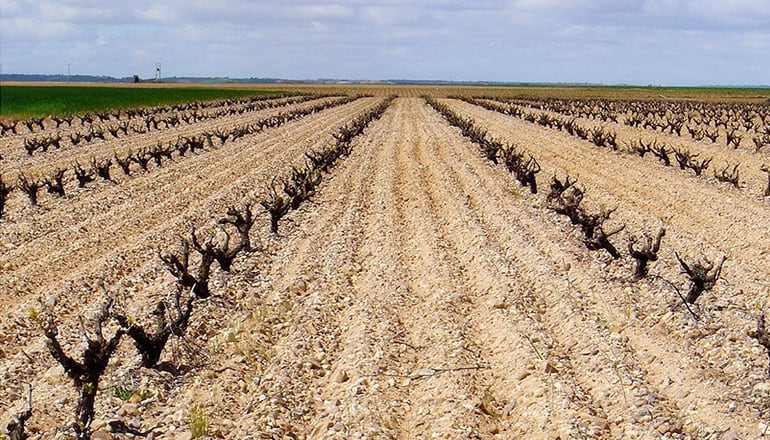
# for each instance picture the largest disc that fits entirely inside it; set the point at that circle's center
(387, 266)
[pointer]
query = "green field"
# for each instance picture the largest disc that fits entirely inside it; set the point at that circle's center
(22, 101)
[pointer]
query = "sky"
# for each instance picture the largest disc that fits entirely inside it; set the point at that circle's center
(643, 42)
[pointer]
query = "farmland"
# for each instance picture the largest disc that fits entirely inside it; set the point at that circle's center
(25, 101)
(402, 263)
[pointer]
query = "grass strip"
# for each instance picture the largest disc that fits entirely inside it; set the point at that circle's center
(21, 101)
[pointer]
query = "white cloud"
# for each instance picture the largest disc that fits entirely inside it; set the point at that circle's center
(155, 13)
(642, 41)
(322, 11)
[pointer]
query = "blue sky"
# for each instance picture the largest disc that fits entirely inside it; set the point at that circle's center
(666, 42)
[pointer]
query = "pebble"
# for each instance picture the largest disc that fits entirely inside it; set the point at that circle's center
(348, 270)
(734, 368)
(128, 409)
(600, 423)
(762, 388)
(510, 407)
(423, 372)
(340, 376)
(694, 333)
(101, 435)
(549, 368)
(664, 428)
(643, 415)
(299, 287)
(500, 303)
(184, 436)
(649, 399)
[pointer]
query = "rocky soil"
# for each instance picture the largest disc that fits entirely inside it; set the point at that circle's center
(421, 293)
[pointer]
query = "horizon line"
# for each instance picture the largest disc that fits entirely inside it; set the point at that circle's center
(64, 78)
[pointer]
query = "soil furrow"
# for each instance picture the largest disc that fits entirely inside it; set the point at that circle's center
(704, 215)
(443, 388)
(420, 292)
(64, 157)
(710, 417)
(543, 291)
(152, 112)
(137, 279)
(752, 179)
(357, 326)
(489, 282)
(131, 258)
(184, 179)
(20, 213)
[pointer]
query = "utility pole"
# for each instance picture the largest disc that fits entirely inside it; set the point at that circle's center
(68, 72)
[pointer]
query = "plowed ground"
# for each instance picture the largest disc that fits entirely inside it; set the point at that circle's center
(421, 293)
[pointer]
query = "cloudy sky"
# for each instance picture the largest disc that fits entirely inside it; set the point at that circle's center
(667, 42)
